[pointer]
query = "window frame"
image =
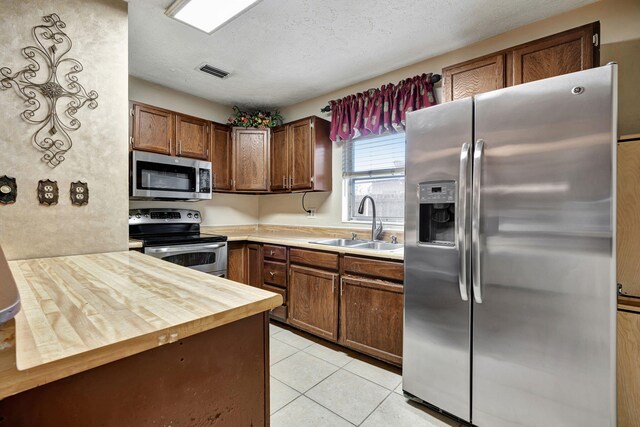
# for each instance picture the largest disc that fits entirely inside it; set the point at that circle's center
(349, 182)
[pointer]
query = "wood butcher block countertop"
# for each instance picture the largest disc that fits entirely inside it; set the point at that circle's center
(82, 311)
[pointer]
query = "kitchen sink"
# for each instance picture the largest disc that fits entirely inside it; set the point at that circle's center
(341, 242)
(360, 244)
(381, 246)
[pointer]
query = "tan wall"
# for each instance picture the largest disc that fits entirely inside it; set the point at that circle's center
(620, 39)
(619, 25)
(164, 97)
(222, 209)
(98, 30)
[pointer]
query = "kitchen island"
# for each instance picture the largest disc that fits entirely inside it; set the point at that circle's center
(126, 339)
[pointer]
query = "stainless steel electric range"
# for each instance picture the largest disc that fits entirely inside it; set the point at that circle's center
(174, 236)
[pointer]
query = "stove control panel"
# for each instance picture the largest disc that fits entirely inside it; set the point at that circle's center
(164, 216)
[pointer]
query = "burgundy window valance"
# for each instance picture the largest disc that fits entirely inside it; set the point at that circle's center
(377, 111)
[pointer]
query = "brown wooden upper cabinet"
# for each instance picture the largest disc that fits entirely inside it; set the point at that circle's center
(192, 137)
(279, 159)
(250, 159)
(166, 132)
(152, 129)
(300, 156)
(221, 157)
(573, 50)
(474, 77)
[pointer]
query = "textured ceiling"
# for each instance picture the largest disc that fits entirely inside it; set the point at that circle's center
(284, 51)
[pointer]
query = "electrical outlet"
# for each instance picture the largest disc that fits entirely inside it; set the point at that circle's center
(311, 213)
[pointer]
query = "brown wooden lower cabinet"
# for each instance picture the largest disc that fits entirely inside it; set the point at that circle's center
(237, 262)
(279, 313)
(219, 377)
(371, 313)
(628, 368)
(313, 301)
(254, 270)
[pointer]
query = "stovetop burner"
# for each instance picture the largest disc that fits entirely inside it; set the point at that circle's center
(166, 227)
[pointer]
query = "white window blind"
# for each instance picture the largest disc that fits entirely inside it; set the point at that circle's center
(374, 155)
(374, 166)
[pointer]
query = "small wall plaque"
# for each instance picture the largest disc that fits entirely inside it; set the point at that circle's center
(48, 192)
(8, 190)
(79, 193)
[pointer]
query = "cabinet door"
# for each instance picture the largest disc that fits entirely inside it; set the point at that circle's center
(221, 157)
(254, 269)
(371, 313)
(628, 218)
(562, 53)
(301, 155)
(313, 301)
(474, 77)
(237, 262)
(152, 129)
(279, 159)
(251, 148)
(628, 368)
(192, 135)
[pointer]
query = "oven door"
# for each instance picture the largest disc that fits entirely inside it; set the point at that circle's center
(155, 176)
(209, 258)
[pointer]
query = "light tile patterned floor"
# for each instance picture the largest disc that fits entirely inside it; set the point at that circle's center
(315, 383)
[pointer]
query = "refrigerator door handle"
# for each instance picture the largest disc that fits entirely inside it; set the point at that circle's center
(478, 154)
(463, 233)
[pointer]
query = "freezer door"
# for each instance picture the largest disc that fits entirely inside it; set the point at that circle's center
(544, 331)
(436, 358)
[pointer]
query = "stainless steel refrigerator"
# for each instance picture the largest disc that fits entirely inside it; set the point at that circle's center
(510, 254)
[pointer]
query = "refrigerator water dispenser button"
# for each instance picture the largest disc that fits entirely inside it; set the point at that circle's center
(437, 213)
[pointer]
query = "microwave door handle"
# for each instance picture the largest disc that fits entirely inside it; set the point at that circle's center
(463, 232)
(478, 154)
(173, 249)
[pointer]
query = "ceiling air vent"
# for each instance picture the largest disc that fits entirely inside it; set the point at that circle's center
(206, 68)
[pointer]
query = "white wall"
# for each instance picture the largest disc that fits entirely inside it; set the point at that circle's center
(222, 209)
(98, 31)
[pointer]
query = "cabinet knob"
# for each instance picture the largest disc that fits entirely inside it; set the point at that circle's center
(272, 252)
(272, 273)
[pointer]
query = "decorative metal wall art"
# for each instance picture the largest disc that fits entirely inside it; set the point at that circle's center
(49, 85)
(48, 192)
(79, 193)
(8, 190)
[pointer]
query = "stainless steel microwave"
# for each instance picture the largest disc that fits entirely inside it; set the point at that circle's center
(160, 177)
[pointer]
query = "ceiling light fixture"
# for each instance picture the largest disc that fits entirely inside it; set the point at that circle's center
(208, 15)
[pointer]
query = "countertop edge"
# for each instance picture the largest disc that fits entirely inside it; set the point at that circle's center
(135, 244)
(301, 243)
(84, 361)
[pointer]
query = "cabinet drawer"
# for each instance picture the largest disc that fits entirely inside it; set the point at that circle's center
(275, 273)
(313, 258)
(279, 312)
(375, 268)
(282, 292)
(275, 252)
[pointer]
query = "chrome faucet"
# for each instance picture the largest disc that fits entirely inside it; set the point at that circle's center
(375, 231)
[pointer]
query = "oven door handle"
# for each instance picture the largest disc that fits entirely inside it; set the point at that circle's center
(173, 249)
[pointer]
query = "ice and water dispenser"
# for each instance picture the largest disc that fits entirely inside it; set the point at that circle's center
(437, 216)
